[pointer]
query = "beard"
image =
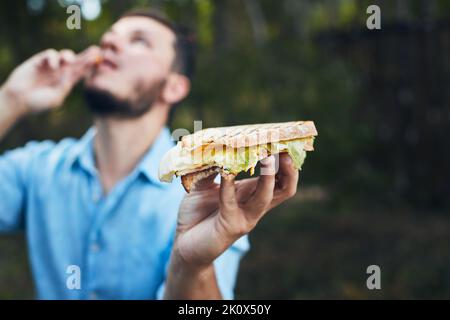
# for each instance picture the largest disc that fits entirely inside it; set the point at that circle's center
(103, 103)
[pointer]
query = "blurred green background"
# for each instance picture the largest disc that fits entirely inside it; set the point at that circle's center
(377, 188)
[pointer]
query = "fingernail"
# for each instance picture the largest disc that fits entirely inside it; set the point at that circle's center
(228, 176)
(269, 161)
(289, 160)
(268, 166)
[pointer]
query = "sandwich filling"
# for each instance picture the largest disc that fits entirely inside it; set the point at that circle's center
(180, 161)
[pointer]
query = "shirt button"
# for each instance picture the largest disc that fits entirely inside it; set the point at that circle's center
(95, 247)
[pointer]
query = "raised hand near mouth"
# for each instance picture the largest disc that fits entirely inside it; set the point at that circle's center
(45, 80)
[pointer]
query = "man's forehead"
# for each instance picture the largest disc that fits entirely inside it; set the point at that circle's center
(142, 24)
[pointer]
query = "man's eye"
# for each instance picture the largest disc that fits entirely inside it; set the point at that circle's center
(141, 40)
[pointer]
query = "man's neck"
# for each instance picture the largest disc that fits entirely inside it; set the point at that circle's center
(121, 143)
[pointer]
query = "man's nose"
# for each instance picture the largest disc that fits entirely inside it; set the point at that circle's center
(111, 42)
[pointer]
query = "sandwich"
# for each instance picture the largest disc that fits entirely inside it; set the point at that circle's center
(231, 150)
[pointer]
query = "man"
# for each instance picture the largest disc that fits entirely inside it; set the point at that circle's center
(97, 203)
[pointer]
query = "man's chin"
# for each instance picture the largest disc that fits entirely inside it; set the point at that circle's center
(102, 82)
(93, 87)
(97, 82)
(100, 100)
(103, 103)
(103, 99)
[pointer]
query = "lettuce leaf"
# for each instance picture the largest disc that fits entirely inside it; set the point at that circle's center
(244, 159)
(297, 153)
(241, 159)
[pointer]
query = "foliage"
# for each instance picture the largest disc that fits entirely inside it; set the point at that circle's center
(379, 100)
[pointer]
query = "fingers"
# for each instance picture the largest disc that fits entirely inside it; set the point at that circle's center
(287, 175)
(263, 195)
(287, 180)
(89, 56)
(67, 57)
(258, 195)
(64, 69)
(245, 189)
(228, 193)
(50, 59)
(79, 64)
(85, 61)
(54, 60)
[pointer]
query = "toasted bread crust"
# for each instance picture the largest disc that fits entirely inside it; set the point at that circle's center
(191, 180)
(250, 135)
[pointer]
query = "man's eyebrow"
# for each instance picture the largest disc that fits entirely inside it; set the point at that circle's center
(142, 33)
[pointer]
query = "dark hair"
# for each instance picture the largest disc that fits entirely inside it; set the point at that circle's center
(185, 43)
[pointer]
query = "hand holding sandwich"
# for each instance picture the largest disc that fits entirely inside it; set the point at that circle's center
(213, 217)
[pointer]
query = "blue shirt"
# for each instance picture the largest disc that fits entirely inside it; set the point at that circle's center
(83, 245)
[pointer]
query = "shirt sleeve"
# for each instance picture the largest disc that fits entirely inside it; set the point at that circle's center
(226, 267)
(15, 177)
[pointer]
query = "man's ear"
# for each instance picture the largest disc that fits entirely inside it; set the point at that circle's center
(177, 88)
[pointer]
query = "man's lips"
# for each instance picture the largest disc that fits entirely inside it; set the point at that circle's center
(107, 64)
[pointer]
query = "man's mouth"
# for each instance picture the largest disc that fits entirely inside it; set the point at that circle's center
(107, 64)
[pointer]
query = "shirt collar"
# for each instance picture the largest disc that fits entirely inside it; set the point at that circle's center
(83, 154)
(148, 166)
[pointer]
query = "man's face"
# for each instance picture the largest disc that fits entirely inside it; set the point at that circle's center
(138, 53)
